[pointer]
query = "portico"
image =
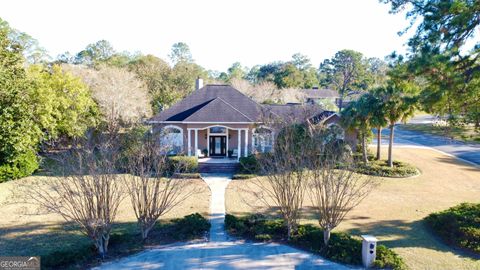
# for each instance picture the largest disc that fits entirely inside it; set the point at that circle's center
(218, 140)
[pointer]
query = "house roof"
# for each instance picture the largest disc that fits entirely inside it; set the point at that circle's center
(223, 103)
(320, 93)
(212, 103)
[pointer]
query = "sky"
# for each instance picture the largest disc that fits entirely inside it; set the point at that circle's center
(219, 32)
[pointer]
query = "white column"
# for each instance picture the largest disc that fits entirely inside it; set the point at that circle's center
(227, 144)
(246, 142)
(208, 141)
(196, 142)
(189, 142)
(239, 151)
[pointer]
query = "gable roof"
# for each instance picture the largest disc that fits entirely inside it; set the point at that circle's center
(223, 103)
(212, 103)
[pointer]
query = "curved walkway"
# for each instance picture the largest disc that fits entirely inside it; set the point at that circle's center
(222, 252)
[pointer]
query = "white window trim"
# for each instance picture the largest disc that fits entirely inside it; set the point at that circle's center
(177, 128)
(254, 137)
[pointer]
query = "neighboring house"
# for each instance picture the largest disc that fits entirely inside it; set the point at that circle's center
(218, 120)
(319, 96)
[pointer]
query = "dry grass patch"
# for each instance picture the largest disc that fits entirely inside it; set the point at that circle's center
(25, 231)
(394, 210)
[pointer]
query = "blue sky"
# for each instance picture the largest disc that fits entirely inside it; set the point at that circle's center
(218, 32)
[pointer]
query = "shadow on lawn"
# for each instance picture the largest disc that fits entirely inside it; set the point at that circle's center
(403, 234)
(63, 246)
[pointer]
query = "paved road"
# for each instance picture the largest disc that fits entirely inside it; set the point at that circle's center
(465, 151)
(222, 252)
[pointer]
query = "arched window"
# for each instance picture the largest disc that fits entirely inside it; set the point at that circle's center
(262, 139)
(171, 137)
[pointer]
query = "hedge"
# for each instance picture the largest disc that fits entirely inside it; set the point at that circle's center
(341, 248)
(23, 166)
(381, 168)
(458, 226)
(182, 164)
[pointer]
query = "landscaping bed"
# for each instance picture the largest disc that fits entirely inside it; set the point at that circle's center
(381, 168)
(342, 247)
(458, 226)
(125, 240)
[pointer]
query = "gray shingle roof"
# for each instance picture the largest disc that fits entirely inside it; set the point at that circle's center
(213, 103)
(320, 93)
(223, 103)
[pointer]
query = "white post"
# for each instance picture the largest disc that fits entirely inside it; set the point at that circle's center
(369, 250)
(196, 143)
(208, 142)
(227, 144)
(189, 143)
(246, 142)
(238, 145)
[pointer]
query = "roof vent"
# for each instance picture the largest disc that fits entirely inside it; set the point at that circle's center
(198, 83)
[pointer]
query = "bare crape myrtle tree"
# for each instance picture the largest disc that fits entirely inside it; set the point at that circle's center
(152, 188)
(334, 186)
(285, 179)
(89, 191)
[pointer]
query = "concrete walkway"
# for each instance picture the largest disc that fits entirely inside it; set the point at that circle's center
(222, 252)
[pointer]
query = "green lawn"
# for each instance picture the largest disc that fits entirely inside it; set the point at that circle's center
(27, 232)
(395, 210)
(466, 133)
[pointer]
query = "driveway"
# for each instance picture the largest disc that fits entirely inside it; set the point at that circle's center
(467, 152)
(222, 251)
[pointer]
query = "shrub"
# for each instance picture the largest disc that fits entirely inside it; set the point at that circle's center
(24, 165)
(249, 165)
(187, 175)
(381, 168)
(387, 259)
(459, 225)
(342, 247)
(240, 176)
(182, 164)
(190, 227)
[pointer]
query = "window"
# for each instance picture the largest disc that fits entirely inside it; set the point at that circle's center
(262, 139)
(218, 130)
(171, 137)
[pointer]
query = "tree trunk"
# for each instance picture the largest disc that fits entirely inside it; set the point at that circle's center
(364, 149)
(379, 141)
(390, 146)
(101, 245)
(146, 230)
(326, 236)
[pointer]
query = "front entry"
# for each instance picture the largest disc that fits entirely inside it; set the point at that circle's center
(218, 146)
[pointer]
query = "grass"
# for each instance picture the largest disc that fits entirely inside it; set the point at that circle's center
(394, 212)
(25, 231)
(465, 133)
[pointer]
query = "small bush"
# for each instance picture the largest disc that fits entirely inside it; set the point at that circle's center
(459, 225)
(190, 227)
(387, 259)
(187, 175)
(381, 168)
(182, 164)
(342, 247)
(23, 166)
(239, 176)
(249, 165)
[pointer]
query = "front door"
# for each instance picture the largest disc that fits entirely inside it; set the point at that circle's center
(218, 146)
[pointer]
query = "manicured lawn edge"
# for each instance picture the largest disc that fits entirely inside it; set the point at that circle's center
(458, 226)
(125, 240)
(342, 248)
